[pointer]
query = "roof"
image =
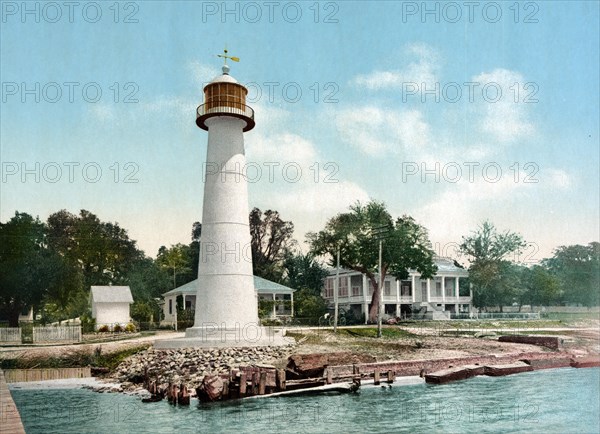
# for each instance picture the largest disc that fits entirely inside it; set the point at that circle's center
(444, 265)
(111, 294)
(262, 286)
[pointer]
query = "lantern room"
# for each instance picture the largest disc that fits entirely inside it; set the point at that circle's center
(224, 96)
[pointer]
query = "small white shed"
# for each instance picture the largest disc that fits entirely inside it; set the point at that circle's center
(110, 305)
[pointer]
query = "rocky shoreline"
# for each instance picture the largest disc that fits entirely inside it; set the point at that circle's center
(187, 366)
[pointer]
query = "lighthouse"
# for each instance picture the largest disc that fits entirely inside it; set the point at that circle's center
(226, 313)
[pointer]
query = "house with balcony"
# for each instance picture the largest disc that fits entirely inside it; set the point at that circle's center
(440, 297)
(282, 297)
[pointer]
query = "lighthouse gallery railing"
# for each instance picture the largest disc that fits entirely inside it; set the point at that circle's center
(225, 107)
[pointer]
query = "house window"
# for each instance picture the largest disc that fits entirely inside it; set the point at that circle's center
(405, 291)
(356, 282)
(343, 287)
(170, 306)
(387, 287)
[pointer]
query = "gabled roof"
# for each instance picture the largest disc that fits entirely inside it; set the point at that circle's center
(262, 286)
(111, 294)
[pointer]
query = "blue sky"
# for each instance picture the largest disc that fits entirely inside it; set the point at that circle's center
(377, 100)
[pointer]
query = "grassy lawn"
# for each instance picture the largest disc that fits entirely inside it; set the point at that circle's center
(73, 359)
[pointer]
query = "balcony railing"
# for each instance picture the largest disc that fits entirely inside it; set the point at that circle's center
(220, 108)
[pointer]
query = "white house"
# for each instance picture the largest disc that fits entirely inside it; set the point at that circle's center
(283, 297)
(110, 305)
(445, 294)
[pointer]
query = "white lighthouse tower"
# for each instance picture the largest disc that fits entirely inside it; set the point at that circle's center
(226, 300)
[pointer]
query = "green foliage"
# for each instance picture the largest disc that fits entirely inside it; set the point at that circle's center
(265, 308)
(495, 280)
(102, 251)
(118, 328)
(486, 244)
(357, 234)
(577, 269)
(185, 318)
(304, 272)
(103, 329)
(271, 239)
(176, 260)
(307, 305)
(541, 288)
(27, 269)
(88, 324)
(130, 328)
(143, 311)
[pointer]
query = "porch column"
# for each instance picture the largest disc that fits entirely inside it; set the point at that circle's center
(456, 288)
(397, 298)
(412, 288)
(292, 304)
(365, 289)
(349, 286)
(274, 314)
(428, 290)
(443, 290)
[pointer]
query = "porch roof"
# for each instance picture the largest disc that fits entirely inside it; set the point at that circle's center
(262, 286)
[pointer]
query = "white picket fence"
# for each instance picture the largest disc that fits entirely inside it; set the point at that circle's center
(10, 335)
(57, 334)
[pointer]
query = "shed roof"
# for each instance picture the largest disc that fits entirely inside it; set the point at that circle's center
(111, 294)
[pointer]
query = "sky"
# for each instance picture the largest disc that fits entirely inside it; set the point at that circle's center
(451, 112)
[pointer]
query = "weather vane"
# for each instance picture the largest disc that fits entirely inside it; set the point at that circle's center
(225, 56)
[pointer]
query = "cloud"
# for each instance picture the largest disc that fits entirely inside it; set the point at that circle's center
(202, 73)
(502, 96)
(375, 131)
(422, 70)
(557, 178)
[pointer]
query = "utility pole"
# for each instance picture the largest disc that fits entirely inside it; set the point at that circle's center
(335, 292)
(379, 314)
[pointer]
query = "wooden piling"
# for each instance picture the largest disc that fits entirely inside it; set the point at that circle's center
(225, 394)
(329, 376)
(254, 383)
(390, 376)
(280, 379)
(262, 383)
(376, 377)
(242, 384)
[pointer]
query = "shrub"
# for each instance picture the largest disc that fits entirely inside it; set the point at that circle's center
(130, 328)
(103, 329)
(118, 328)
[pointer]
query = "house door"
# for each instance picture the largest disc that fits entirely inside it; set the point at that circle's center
(424, 291)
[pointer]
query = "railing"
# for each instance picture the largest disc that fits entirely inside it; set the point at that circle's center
(497, 315)
(226, 107)
(57, 334)
(10, 335)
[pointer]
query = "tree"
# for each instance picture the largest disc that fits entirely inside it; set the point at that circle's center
(103, 251)
(541, 288)
(495, 279)
(175, 259)
(302, 271)
(406, 246)
(271, 239)
(577, 268)
(25, 265)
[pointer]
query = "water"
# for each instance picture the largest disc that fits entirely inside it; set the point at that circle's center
(551, 401)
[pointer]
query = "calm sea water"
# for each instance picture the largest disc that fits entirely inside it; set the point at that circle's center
(552, 401)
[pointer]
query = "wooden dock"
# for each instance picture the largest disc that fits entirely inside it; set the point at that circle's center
(10, 419)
